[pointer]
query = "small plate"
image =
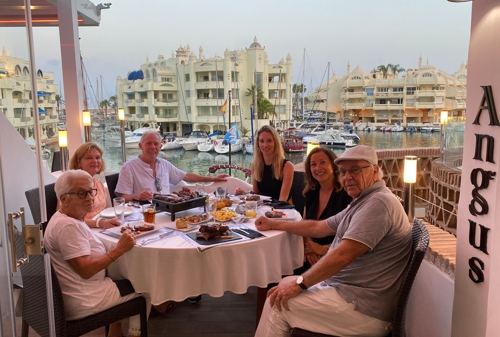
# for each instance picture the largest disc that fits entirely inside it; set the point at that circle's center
(110, 212)
(117, 231)
(288, 214)
(197, 223)
(188, 229)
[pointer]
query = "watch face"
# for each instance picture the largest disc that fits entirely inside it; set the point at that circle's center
(300, 279)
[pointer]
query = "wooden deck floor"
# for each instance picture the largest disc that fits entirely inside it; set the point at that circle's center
(231, 315)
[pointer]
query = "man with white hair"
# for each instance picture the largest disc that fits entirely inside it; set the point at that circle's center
(351, 291)
(80, 258)
(148, 174)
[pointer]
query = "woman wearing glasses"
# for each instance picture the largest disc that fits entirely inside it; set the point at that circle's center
(272, 174)
(80, 258)
(325, 197)
(88, 157)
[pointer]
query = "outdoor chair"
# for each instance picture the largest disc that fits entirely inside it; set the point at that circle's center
(34, 202)
(420, 237)
(298, 184)
(112, 181)
(35, 310)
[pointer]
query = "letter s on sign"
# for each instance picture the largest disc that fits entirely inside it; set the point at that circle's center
(476, 271)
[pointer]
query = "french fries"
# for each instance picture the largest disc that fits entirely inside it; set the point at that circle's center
(225, 214)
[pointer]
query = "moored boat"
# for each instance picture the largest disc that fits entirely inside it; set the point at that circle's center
(132, 142)
(195, 138)
(291, 141)
(207, 146)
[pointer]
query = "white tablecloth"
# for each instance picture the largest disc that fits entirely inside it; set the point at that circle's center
(173, 269)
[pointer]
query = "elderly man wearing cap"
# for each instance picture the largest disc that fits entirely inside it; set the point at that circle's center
(351, 291)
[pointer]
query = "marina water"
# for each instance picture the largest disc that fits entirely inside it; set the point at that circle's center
(199, 162)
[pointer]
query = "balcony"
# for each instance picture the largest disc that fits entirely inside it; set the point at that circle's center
(347, 106)
(429, 105)
(26, 119)
(52, 101)
(214, 102)
(276, 86)
(208, 119)
(130, 101)
(42, 117)
(140, 100)
(350, 95)
(429, 93)
(381, 94)
(53, 116)
(162, 86)
(23, 100)
(209, 85)
(166, 117)
(166, 102)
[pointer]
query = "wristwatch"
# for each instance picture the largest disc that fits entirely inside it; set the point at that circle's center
(300, 282)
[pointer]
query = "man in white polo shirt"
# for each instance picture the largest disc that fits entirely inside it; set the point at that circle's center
(148, 174)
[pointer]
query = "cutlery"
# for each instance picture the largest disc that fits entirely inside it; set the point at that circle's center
(158, 237)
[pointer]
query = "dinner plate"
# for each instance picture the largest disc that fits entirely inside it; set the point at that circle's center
(188, 229)
(117, 231)
(288, 214)
(110, 212)
(200, 222)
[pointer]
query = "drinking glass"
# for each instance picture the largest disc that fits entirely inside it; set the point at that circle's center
(251, 209)
(221, 192)
(149, 213)
(200, 188)
(119, 205)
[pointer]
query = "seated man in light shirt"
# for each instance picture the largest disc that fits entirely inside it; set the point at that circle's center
(350, 291)
(148, 174)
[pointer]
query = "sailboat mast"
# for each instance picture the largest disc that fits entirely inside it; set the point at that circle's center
(303, 80)
(326, 101)
(217, 79)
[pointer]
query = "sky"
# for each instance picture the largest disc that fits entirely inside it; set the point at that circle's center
(366, 33)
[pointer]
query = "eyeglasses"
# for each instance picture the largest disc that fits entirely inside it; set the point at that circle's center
(83, 194)
(158, 184)
(352, 171)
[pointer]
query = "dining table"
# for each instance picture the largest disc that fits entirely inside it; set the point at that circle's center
(176, 267)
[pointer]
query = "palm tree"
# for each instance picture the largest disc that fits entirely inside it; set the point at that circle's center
(396, 69)
(59, 102)
(266, 108)
(383, 69)
(105, 104)
(113, 103)
(296, 89)
(250, 92)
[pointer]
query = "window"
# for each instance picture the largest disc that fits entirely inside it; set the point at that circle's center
(369, 91)
(462, 77)
(258, 79)
(438, 88)
(350, 90)
(166, 79)
(356, 78)
(187, 77)
(410, 102)
(382, 101)
(411, 90)
(396, 101)
(427, 75)
(217, 78)
(382, 89)
(206, 95)
(188, 93)
(205, 78)
(399, 89)
(369, 103)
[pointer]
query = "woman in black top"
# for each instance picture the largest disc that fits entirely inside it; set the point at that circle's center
(272, 174)
(324, 196)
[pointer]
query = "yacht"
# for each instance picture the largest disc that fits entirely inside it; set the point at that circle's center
(132, 142)
(206, 146)
(195, 138)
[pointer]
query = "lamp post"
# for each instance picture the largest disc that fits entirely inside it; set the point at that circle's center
(86, 124)
(63, 148)
(121, 118)
(444, 121)
(410, 178)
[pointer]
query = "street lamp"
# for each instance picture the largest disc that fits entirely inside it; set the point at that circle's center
(63, 148)
(410, 178)
(443, 120)
(86, 124)
(121, 118)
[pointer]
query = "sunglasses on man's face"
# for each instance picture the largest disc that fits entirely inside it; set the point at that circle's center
(158, 184)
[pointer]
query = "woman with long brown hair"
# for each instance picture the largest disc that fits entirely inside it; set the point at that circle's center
(272, 174)
(325, 197)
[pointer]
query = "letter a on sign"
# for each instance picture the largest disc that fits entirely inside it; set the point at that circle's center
(487, 98)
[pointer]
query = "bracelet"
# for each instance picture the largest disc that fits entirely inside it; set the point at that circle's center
(108, 254)
(97, 223)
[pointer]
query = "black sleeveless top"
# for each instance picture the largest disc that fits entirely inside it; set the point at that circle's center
(270, 186)
(338, 201)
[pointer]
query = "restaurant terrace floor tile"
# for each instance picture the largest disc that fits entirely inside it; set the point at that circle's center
(230, 315)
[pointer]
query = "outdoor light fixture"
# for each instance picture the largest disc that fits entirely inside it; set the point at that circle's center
(410, 178)
(86, 124)
(443, 120)
(311, 146)
(63, 147)
(121, 118)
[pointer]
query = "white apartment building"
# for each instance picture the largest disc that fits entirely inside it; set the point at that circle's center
(16, 102)
(417, 97)
(185, 92)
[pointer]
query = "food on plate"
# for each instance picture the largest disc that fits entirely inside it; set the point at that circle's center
(224, 202)
(239, 191)
(144, 227)
(198, 218)
(124, 228)
(181, 223)
(252, 197)
(225, 214)
(176, 197)
(275, 214)
(217, 231)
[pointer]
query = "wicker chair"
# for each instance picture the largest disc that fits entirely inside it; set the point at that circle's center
(35, 306)
(34, 202)
(112, 181)
(420, 237)
(298, 185)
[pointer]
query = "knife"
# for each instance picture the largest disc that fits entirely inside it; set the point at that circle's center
(158, 237)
